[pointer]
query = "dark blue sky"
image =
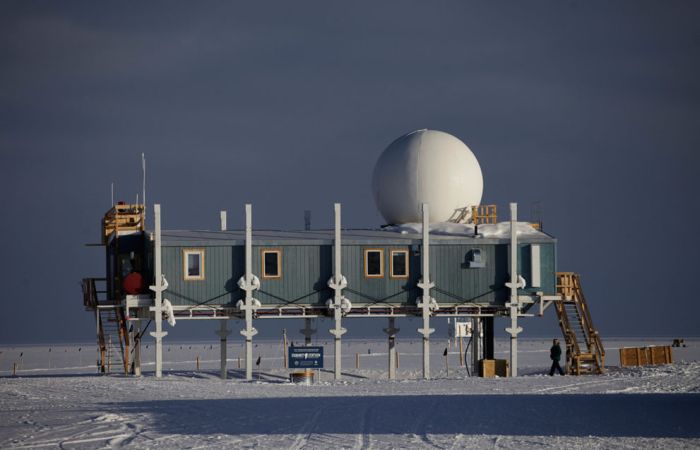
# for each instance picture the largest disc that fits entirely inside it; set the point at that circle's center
(592, 108)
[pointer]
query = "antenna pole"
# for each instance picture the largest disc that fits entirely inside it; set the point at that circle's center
(143, 197)
(112, 193)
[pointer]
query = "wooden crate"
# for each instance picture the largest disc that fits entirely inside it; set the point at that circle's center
(644, 356)
(660, 355)
(489, 368)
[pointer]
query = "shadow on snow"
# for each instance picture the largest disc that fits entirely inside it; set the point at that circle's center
(613, 415)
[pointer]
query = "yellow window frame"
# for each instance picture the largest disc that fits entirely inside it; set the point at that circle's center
(263, 252)
(391, 263)
(185, 272)
(381, 262)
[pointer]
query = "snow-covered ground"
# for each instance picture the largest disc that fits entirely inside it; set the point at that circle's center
(57, 401)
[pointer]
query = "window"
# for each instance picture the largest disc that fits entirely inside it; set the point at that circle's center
(193, 264)
(399, 264)
(271, 263)
(374, 263)
(475, 259)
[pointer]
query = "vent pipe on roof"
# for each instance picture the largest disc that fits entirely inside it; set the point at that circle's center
(223, 220)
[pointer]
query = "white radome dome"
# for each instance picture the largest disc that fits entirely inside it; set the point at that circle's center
(426, 166)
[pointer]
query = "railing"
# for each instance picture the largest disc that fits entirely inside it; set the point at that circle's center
(111, 322)
(565, 284)
(91, 295)
(569, 287)
(592, 335)
(122, 217)
(484, 214)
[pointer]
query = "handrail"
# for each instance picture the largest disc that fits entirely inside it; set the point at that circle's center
(484, 214)
(593, 334)
(569, 287)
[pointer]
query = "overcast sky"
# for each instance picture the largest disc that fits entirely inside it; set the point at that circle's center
(591, 108)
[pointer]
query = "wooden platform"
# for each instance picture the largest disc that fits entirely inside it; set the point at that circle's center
(122, 217)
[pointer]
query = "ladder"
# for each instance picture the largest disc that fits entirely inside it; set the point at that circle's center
(113, 340)
(584, 349)
(112, 332)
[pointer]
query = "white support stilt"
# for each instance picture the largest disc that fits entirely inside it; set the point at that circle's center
(425, 284)
(307, 331)
(158, 288)
(337, 287)
(223, 334)
(514, 303)
(137, 348)
(248, 286)
(391, 330)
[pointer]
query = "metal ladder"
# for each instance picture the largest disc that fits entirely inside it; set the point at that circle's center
(584, 348)
(113, 340)
(112, 332)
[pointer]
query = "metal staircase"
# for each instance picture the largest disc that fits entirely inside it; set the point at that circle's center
(112, 332)
(584, 349)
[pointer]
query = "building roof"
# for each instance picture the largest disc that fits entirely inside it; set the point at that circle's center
(389, 236)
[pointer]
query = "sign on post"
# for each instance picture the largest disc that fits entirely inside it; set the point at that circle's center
(462, 329)
(305, 357)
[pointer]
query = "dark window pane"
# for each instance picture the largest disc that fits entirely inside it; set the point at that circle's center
(399, 264)
(271, 264)
(193, 264)
(374, 263)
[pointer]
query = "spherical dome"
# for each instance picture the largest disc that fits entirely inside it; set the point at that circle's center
(426, 166)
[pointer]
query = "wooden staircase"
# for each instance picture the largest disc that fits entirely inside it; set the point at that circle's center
(112, 331)
(584, 349)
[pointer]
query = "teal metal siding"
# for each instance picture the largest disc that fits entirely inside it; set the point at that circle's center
(220, 276)
(547, 268)
(305, 273)
(378, 291)
(456, 282)
(307, 268)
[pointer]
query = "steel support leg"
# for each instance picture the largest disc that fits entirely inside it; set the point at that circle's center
(391, 330)
(223, 334)
(514, 303)
(307, 331)
(337, 286)
(137, 348)
(425, 285)
(158, 288)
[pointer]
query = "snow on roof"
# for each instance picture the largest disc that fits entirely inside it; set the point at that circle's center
(499, 230)
(409, 233)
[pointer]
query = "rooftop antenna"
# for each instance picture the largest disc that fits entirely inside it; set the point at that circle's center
(143, 197)
(112, 193)
(307, 220)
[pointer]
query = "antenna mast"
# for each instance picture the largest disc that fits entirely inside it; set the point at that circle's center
(143, 165)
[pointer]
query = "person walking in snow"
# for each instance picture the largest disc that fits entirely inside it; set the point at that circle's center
(555, 356)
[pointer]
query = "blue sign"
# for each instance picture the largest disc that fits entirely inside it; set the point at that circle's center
(305, 357)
